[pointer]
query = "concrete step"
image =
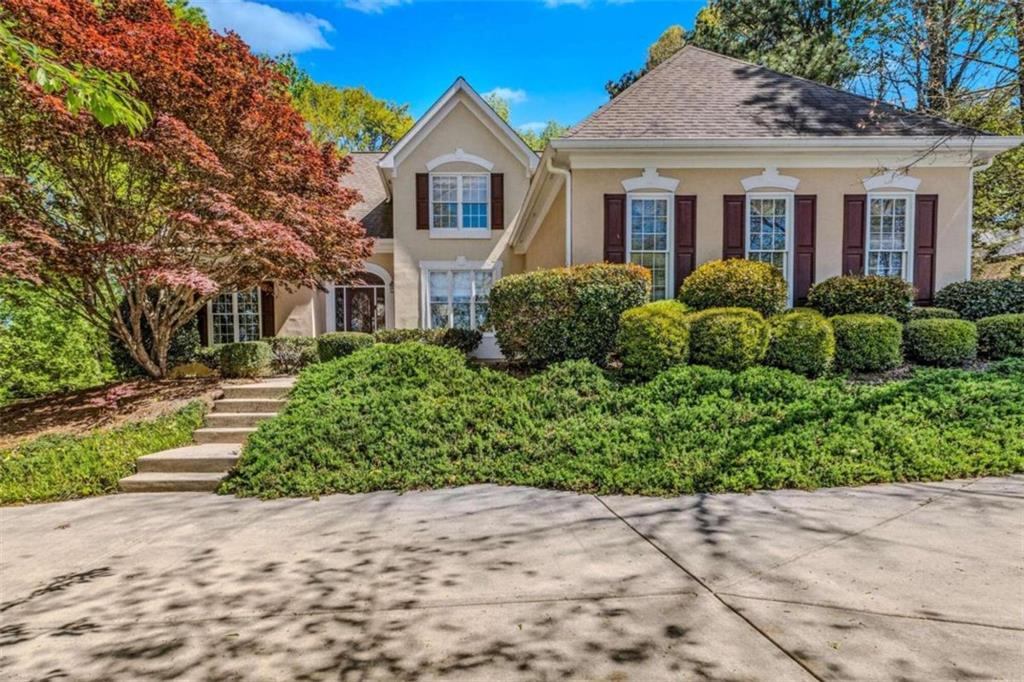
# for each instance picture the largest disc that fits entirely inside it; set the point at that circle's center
(198, 459)
(229, 419)
(265, 405)
(227, 434)
(168, 482)
(272, 388)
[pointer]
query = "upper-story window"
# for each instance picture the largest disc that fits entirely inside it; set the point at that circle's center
(459, 201)
(890, 226)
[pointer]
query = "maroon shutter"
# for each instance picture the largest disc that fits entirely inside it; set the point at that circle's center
(267, 309)
(854, 222)
(686, 237)
(733, 209)
(422, 201)
(925, 215)
(615, 228)
(204, 332)
(806, 210)
(497, 201)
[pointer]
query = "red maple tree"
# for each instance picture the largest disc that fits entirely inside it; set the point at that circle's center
(223, 190)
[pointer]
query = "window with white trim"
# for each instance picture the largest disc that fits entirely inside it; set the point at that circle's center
(890, 226)
(235, 316)
(460, 201)
(649, 240)
(458, 298)
(769, 226)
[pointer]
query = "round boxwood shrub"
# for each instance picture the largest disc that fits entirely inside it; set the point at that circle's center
(1001, 336)
(801, 341)
(340, 344)
(867, 343)
(735, 283)
(933, 313)
(942, 342)
(465, 340)
(728, 338)
(652, 338)
(573, 313)
(870, 295)
(245, 359)
(292, 353)
(980, 298)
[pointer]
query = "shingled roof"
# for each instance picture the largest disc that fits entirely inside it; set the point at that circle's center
(697, 94)
(375, 209)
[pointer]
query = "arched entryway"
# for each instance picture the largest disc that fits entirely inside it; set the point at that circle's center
(364, 305)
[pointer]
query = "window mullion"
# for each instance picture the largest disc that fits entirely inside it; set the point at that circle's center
(234, 315)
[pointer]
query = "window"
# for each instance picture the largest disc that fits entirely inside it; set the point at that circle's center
(235, 316)
(460, 202)
(649, 242)
(890, 223)
(768, 229)
(457, 297)
(360, 307)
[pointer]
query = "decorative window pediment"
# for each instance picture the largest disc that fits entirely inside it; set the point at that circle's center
(770, 179)
(460, 155)
(892, 180)
(650, 180)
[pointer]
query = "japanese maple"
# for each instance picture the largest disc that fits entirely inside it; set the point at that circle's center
(223, 190)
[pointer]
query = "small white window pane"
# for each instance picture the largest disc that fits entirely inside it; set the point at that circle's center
(482, 282)
(249, 315)
(444, 193)
(439, 291)
(462, 295)
(223, 318)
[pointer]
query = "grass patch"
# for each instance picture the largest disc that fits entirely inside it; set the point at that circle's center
(61, 467)
(413, 416)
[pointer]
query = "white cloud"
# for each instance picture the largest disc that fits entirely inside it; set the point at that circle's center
(373, 6)
(550, 4)
(510, 95)
(267, 29)
(535, 126)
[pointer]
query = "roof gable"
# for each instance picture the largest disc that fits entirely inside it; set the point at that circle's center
(698, 94)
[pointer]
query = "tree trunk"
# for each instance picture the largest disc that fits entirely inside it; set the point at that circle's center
(1018, 12)
(937, 18)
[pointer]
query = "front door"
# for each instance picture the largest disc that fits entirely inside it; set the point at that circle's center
(360, 307)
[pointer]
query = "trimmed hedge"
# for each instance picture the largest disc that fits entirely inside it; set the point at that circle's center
(735, 283)
(980, 298)
(572, 313)
(941, 342)
(652, 338)
(245, 359)
(292, 353)
(801, 341)
(857, 294)
(728, 338)
(933, 313)
(465, 340)
(1001, 336)
(340, 344)
(867, 343)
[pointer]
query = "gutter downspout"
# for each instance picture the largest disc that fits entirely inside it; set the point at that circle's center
(568, 208)
(970, 214)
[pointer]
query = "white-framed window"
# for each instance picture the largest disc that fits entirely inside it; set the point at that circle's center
(890, 231)
(455, 294)
(235, 316)
(649, 239)
(769, 231)
(460, 204)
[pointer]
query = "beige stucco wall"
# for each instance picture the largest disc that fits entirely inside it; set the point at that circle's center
(460, 129)
(547, 250)
(952, 185)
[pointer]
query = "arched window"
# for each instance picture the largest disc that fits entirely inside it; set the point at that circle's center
(360, 305)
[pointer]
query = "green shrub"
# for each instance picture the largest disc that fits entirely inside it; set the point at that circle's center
(292, 353)
(404, 335)
(856, 294)
(932, 313)
(801, 341)
(62, 467)
(652, 338)
(728, 338)
(1001, 336)
(941, 342)
(867, 343)
(340, 344)
(735, 283)
(209, 356)
(573, 313)
(373, 421)
(245, 359)
(465, 340)
(980, 298)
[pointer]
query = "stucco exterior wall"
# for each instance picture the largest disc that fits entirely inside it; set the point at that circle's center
(547, 250)
(952, 185)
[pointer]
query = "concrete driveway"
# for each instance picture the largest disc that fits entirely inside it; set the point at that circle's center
(919, 582)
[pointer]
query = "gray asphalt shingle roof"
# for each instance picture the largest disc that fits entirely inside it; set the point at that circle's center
(697, 94)
(374, 210)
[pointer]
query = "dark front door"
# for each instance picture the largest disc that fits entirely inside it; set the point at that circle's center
(359, 307)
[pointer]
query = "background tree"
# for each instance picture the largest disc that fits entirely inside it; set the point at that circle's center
(535, 139)
(668, 43)
(351, 118)
(222, 191)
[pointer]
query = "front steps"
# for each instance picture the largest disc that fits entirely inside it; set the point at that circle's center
(201, 467)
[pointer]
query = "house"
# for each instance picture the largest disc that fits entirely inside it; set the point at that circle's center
(705, 157)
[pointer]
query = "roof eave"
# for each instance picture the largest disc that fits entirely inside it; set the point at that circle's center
(992, 144)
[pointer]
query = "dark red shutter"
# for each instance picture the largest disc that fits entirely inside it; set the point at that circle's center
(615, 228)
(497, 201)
(422, 201)
(686, 237)
(925, 217)
(855, 207)
(204, 332)
(267, 309)
(733, 210)
(806, 210)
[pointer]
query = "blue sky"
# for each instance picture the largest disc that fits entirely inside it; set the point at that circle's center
(551, 58)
